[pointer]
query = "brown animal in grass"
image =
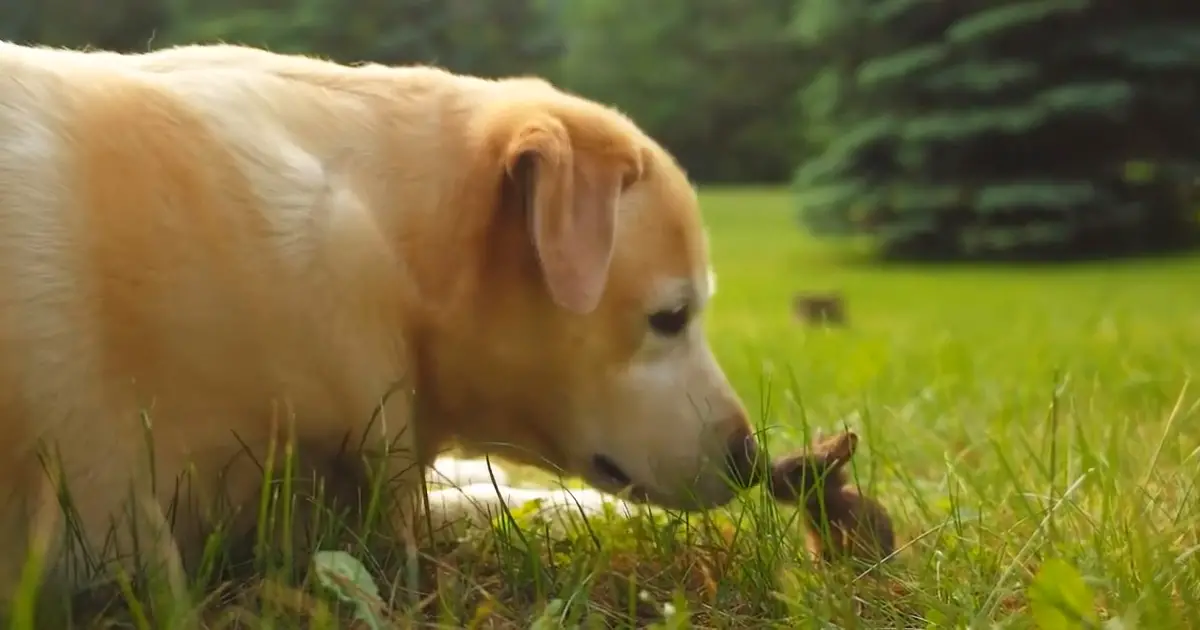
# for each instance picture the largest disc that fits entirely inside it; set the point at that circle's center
(840, 521)
(823, 309)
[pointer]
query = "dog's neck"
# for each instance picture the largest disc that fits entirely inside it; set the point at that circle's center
(453, 252)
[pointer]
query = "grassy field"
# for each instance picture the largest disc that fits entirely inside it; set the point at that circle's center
(1012, 416)
(1015, 422)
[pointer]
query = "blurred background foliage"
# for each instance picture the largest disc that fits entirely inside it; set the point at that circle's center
(1048, 129)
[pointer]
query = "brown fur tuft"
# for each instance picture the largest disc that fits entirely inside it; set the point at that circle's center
(840, 521)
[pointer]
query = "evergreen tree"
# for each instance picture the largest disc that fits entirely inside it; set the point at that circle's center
(1001, 128)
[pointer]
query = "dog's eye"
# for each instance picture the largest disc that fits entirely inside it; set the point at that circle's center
(670, 322)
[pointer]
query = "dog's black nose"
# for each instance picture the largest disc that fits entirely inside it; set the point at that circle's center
(742, 459)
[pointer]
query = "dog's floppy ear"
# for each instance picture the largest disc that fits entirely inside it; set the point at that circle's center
(570, 197)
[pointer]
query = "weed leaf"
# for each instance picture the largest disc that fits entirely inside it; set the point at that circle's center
(350, 581)
(1060, 599)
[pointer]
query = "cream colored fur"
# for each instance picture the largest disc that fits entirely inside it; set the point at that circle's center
(207, 250)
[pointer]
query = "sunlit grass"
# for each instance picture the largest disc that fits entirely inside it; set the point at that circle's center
(1008, 416)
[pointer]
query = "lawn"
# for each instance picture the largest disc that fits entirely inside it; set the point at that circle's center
(1012, 419)
(1011, 415)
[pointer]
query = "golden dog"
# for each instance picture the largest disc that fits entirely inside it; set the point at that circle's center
(210, 248)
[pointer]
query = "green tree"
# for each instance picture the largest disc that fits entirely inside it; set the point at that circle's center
(121, 25)
(1001, 128)
(713, 80)
(484, 38)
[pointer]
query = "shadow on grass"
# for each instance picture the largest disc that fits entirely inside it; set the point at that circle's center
(741, 567)
(864, 253)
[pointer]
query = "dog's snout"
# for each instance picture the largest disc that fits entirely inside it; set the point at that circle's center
(742, 459)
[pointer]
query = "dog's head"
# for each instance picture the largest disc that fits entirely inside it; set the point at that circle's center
(589, 282)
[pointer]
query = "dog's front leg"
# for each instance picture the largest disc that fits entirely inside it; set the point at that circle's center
(121, 534)
(154, 541)
(394, 468)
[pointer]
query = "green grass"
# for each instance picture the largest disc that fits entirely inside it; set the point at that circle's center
(1010, 419)
(984, 394)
